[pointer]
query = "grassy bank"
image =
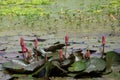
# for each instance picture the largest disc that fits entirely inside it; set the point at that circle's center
(59, 16)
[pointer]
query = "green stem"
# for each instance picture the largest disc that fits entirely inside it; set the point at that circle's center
(65, 50)
(41, 68)
(103, 50)
(60, 68)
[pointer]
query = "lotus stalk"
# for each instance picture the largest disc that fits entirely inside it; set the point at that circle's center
(103, 45)
(46, 59)
(66, 43)
(35, 47)
(61, 56)
(35, 43)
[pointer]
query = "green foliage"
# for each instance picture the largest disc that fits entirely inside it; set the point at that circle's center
(34, 2)
(114, 6)
(77, 66)
(112, 58)
(29, 10)
(22, 7)
(52, 15)
(21, 66)
(95, 64)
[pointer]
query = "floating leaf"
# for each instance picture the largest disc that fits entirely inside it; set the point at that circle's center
(20, 66)
(66, 62)
(112, 58)
(95, 64)
(55, 47)
(77, 66)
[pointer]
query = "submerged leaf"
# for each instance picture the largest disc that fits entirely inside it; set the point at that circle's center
(77, 66)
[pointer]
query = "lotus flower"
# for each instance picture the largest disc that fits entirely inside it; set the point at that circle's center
(103, 40)
(35, 43)
(66, 39)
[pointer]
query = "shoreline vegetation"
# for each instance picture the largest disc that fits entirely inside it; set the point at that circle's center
(59, 16)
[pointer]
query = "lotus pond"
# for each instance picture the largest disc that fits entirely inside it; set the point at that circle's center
(59, 39)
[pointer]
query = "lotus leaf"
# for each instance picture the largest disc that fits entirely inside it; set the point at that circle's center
(21, 66)
(77, 66)
(95, 64)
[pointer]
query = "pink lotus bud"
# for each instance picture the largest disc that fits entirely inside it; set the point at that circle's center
(35, 43)
(24, 49)
(61, 54)
(87, 55)
(103, 40)
(23, 45)
(22, 41)
(66, 39)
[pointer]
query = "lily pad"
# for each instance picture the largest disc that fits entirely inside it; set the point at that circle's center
(77, 66)
(95, 64)
(66, 62)
(112, 59)
(20, 66)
